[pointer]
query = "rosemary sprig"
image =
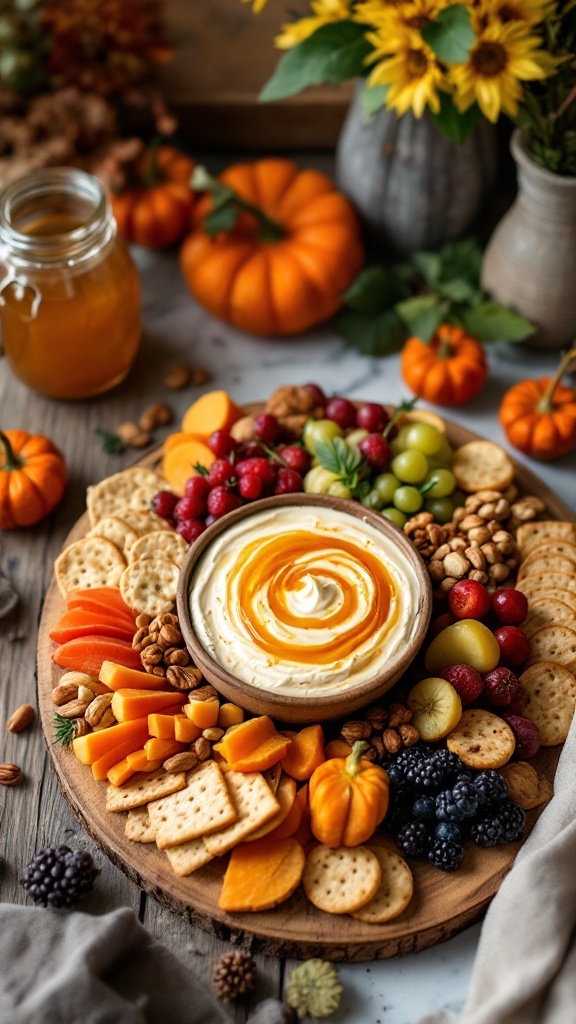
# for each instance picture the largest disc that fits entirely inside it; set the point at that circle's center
(110, 442)
(63, 730)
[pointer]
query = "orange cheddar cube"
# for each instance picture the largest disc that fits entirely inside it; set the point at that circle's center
(230, 714)
(204, 713)
(185, 731)
(160, 750)
(129, 703)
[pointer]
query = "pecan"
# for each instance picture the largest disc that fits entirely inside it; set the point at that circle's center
(391, 740)
(213, 733)
(371, 753)
(152, 655)
(399, 715)
(138, 638)
(183, 762)
(97, 707)
(409, 735)
(206, 692)
(198, 376)
(378, 718)
(170, 635)
(164, 619)
(184, 678)
(10, 774)
(74, 709)
(290, 399)
(21, 718)
(202, 748)
(176, 656)
(155, 670)
(356, 730)
(143, 620)
(378, 746)
(177, 376)
(156, 415)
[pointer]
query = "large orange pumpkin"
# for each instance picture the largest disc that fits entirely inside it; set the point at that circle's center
(450, 370)
(32, 478)
(156, 211)
(539, 416)
(282, 267)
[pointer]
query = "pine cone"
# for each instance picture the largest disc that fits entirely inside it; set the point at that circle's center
(234, 975)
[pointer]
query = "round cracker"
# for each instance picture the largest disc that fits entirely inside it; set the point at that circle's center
(132, 489)
(548, 612)
(161, 544)
(552, 692)
(552, 546)
(88, 563)
(149, 586)
(342, 880)
(547, 563)
(481, 739)
(530, 535)
(554, 643)
(541, 593)
(116, 530)
(478, 465)
(394, 892)
(143, 523)
(544, 581)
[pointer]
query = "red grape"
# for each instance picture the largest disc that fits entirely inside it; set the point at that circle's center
(372, 417)
(342, 412)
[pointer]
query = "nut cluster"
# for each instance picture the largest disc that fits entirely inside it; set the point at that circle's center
(85, 701)
(179, 375)
(138, 435)
(386, 730)
(160, 644)
(478, 544)
(290, 405)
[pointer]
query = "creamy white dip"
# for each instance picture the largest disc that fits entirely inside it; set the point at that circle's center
(304, 600)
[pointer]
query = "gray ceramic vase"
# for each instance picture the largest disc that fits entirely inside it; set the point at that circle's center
(530, 261)
(412, 187)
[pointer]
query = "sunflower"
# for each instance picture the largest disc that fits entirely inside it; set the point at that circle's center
(389, 14)
(504, 56)
(411, 72)
(531, 12)
(325, 11)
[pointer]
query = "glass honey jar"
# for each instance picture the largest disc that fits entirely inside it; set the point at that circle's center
(69, 291)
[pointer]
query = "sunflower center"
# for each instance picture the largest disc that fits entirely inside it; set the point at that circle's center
(416, 63)
(489, 59)
(508, 13)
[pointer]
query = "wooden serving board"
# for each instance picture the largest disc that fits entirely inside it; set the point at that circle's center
(443, 903)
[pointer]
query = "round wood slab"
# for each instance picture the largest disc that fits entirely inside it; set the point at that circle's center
(442, 905)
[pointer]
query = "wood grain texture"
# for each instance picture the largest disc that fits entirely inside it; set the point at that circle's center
(443, 904)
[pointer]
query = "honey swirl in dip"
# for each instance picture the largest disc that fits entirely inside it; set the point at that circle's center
(304, 600)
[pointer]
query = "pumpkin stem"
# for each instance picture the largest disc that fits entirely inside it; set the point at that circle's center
(546, 403)
(353, 759)
(228, 204)
(10, 461)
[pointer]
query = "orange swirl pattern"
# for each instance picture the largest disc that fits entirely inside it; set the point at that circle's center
(266, 585)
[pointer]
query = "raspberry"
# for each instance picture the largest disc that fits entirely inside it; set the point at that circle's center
(490, 787)
(190, 507)
(258, 467)
(296, 458)
(412, 838)
(267, 428)
(221, 443)
(163, 504)
(445, 855)
(288, 481)
(197, 487)
(250, 486)
(222, 500)
(221, 472)
(488, 831)
(513, 820)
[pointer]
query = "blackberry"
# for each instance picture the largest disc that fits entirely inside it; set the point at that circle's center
(399, 785)
(490, 787)
(448, 830)
(513, 820)
(399, 812)
(59, 876)
(445, 855)
(410, 756)
(487, 831)
(449, 764)
(424, 808)
(425, 776)
(412, 838)
(457, 803)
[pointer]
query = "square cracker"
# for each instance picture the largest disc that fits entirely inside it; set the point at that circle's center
(90, 562)
(138, 827)
(188, 857)
(202, 806)
(142, 788)
(132, 489)
(255, 804)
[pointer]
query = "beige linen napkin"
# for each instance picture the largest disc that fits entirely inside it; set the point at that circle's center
(525, 968)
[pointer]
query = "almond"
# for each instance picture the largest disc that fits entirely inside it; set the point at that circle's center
(21, 718)
(183, 762)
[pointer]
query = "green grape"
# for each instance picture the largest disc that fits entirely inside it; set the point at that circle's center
(386, 484)
(355, 436)
(373, 500)
(444, 483)
(395, 516)
(441, 508)
(424, 438)
(444, 453)
(319, 430)
(410, 467)
(399, 443)
(318, 480)
(339, 490)
(408, 499)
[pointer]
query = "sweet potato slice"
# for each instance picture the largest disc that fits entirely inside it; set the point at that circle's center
(285, 794)
(119, 677)
(87, 654)
(108, 598)
(79, 622)
(128, 704)
(305, 753)
(262, 874)
(293, 819)
(181, 437)
(95, 744)
(242, 739)
(178, 463)
(212, 411)
(264, 756)
(303, 833)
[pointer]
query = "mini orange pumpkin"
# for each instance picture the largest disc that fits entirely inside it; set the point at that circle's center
(156, 211)
(450, 370)
(539, 416)
(32, 478)
(288, 250)
(348, 799)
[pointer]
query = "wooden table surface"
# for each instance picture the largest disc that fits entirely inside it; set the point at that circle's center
(35, 815)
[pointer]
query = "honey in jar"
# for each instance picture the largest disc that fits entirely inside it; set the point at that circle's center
(69, 292)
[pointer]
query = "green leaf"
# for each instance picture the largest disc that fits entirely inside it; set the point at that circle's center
(331, 54)
(373, 98)
(338, 457)
(455, 126)
(373, 335)
(374, 290)
(461, 260)
(429, 265)
(423, 314)
(458, 289)
(491, 321)
(450, 35)
(221, 218)
(110, 442)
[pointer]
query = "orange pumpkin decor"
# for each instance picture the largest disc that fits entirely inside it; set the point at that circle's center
(348, 799)
(285, 245)
(450, 370)
(539, 416)
(156, 211)
(32, 478)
